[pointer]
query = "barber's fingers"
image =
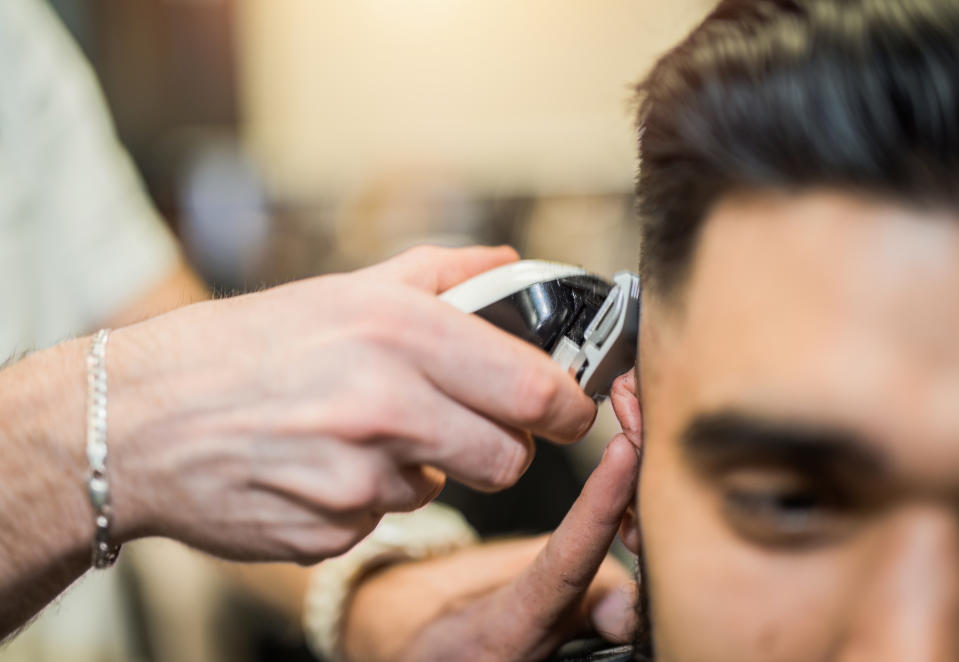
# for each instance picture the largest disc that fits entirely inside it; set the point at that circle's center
(490, 458)
(277, 527)
(611, 603)
(398, 413)
(472, 361)
(402, 489)
(433, 430)
(562, 573)
(435, 269)
(500, 376)
(338, 479)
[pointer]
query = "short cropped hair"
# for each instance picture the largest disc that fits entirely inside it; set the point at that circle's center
(792, 95)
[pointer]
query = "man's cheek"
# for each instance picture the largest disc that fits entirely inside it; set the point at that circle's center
(715, 597)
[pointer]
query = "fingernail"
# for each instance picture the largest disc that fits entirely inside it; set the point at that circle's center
(612, 441)
(608, 445)
(584, 427)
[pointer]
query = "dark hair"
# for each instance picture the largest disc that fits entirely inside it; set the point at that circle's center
(795, 94)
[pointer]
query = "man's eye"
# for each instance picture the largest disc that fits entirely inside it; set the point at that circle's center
(786, 513)
(792, 510)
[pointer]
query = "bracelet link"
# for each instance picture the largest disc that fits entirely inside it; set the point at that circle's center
(98, 487)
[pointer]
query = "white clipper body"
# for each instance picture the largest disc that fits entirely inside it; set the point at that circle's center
(588, 324)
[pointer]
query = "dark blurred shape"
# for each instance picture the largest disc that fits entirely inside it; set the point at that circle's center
(593, 650)
(252, 632)
(535, 504)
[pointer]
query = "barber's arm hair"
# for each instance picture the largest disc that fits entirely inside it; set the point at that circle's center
(180, 287)
(46, 525)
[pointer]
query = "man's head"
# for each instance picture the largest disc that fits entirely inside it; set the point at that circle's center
(799, 355)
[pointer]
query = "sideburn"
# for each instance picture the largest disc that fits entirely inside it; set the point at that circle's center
(643, 649)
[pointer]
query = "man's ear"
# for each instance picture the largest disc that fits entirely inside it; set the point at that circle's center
(629, 529)
(626, 406)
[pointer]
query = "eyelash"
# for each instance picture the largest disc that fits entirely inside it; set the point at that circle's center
(782, 504)
(793, 516)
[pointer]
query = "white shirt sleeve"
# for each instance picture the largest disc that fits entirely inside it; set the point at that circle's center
(79, 238)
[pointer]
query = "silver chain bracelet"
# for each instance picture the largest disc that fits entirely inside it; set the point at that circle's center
(98, 488)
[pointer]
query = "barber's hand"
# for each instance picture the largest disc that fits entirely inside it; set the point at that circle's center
(508, 601)
(281, 425)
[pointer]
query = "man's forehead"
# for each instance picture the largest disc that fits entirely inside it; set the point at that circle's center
(820, 306)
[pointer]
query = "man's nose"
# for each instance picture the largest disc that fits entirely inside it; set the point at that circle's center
(908, 605)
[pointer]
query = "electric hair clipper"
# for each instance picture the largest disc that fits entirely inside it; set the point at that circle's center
(586, 323)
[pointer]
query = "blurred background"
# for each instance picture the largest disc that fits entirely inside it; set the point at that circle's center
(286, 138)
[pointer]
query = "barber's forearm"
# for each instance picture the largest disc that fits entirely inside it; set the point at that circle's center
(45, 521)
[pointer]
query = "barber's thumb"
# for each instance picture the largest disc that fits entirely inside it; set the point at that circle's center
(613, 615)
(566, 568)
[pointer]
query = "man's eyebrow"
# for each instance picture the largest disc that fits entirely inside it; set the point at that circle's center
(729, 438)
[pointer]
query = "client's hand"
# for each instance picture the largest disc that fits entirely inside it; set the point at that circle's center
(516, 600)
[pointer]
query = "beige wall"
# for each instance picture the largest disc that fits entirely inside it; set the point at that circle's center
(516, 96)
